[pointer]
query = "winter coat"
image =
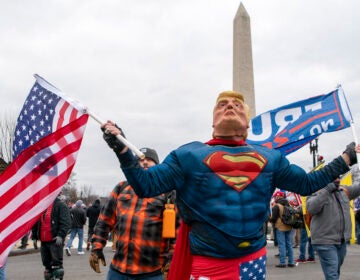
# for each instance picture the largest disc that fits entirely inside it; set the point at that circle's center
(330, 210)
(60, 221)
(277, 212)
(78, 217)
(93, 213)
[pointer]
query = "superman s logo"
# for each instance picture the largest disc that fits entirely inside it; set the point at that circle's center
(236, 170)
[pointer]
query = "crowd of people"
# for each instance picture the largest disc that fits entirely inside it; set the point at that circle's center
(327, 227)
(220, 192)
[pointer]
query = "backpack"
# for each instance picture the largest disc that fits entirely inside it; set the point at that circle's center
(292, 217)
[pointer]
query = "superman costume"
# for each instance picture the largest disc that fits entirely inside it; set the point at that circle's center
(224, 190)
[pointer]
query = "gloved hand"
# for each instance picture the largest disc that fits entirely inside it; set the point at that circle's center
(95, 256)
(350, 151)
(165, 270)
(166, 266)
(112, 141)
(35, 244)
(58, 240)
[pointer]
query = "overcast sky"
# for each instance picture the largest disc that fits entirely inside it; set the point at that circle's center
(156, 67)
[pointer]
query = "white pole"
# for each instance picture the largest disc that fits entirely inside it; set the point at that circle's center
(355, 139)
(346, 110)
(120, 137)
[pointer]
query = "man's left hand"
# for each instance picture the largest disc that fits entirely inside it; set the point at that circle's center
(96, 256)
(165, 270)
(58, 241)
(350, 153)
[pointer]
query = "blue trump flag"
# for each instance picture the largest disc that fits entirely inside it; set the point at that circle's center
(292, 126)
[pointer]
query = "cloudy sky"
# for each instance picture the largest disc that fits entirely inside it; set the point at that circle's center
(156, 67)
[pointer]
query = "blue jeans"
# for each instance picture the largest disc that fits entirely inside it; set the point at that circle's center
(357, 231)
(114, 275)
(305, 240)
(292, 236)
(275, 236)
(2, 272)
(331, 258)
(285, 246)
(80, 233)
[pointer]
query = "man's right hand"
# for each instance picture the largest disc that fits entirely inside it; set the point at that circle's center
(350, 151)
(95, 256)
(110, 130)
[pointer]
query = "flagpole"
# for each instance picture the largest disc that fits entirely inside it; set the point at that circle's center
(351, 120)
(119, 136)
(355, 140)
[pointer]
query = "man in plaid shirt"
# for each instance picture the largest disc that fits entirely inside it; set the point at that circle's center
(141, 251)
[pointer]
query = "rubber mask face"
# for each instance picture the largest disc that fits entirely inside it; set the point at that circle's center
(230, 117)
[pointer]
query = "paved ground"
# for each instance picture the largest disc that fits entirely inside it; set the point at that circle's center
(28, 266)
(312, 271)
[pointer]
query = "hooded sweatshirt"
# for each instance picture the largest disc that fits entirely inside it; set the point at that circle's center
(330, 210)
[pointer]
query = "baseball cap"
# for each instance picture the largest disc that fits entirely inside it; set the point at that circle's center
(279, 193)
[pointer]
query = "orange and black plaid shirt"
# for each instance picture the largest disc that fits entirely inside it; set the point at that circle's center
(137, 223)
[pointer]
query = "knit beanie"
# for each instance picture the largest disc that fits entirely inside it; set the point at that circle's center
(278, 193)
(150, 153)
(79, 203)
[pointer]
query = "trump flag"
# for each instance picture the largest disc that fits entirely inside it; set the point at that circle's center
(292, 126)
(47, 138)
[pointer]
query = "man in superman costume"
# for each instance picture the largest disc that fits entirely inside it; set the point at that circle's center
(224, 188)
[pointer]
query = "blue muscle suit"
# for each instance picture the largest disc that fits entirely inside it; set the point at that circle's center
(224, 192)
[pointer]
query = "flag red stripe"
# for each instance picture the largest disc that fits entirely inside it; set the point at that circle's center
(17, 234)
(34, 174)
(39, 171)
(62, 112)
(47, 141)
(339, 109)
(32, 177)
(298, 198)
(73, 115)
(29, 204)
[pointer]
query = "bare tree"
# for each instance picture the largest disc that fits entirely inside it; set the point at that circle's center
(70, 194)
(71, 182)
(73, 193)
(69, 189)
(7, 129)
(87, 195)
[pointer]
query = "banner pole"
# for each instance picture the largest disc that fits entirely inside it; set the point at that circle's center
(119, 136)
(355, 140)
(349, 118)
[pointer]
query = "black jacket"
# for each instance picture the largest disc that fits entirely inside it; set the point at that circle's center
(60, 221)
(93, 213)
(276, 211)
(357, 216)
(78, 217)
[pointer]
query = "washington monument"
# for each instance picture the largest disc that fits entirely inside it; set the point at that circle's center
(243, 73)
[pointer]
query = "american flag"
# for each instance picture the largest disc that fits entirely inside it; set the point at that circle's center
(48, 135)
(293, 198)
(255, 269)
